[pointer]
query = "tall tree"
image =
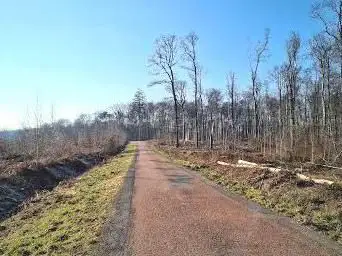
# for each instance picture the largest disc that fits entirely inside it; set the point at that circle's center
(329, 13)
(320, 49)
(231, 87)
(293, 69)
(163, 63)
(190, 54)
(138, 111)
(214, 103)
(181, 96)
(259, 55)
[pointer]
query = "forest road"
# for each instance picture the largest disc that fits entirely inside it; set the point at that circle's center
(176, 212)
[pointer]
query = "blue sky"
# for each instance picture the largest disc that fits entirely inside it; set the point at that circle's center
(85, 55)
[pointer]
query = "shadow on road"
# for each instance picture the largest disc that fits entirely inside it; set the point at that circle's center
(179, 179)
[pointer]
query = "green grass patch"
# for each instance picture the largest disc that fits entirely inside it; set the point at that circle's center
(69, 219)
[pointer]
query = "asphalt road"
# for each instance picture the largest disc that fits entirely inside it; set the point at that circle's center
(176, 212)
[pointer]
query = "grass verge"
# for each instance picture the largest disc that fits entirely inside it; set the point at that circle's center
(318, 206)
(69, 219)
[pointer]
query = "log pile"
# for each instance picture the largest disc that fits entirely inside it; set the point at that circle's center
(246, 164)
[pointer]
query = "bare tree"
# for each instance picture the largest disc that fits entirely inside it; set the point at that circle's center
(231, 87)
(214, 102)
(201, 105)
(181, 96)
(163, 62)
(321, 52)
(277, 75)
(293, 69)
(38, 124)
(190, 54)
(329, 13)
(260, 54)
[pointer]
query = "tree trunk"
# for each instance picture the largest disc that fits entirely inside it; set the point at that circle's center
(184, 135)
(211, 131)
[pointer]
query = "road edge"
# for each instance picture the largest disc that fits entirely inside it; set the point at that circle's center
(116, 230)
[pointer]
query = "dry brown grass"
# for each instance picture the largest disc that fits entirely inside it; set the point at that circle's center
(318, 206)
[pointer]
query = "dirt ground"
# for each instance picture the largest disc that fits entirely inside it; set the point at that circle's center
(176, 212)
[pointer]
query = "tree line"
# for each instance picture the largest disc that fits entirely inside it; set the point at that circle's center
(88, 134)
(300, 119)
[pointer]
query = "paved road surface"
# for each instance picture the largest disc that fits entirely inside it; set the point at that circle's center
(175, 212)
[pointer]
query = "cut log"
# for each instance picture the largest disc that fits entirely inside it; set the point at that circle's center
(224, 163)
(302, 177)
(234, 165)
(247, 163)
(248, 166)
(273, 169)
(317, 181)
(237, 165)
(322, 181)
